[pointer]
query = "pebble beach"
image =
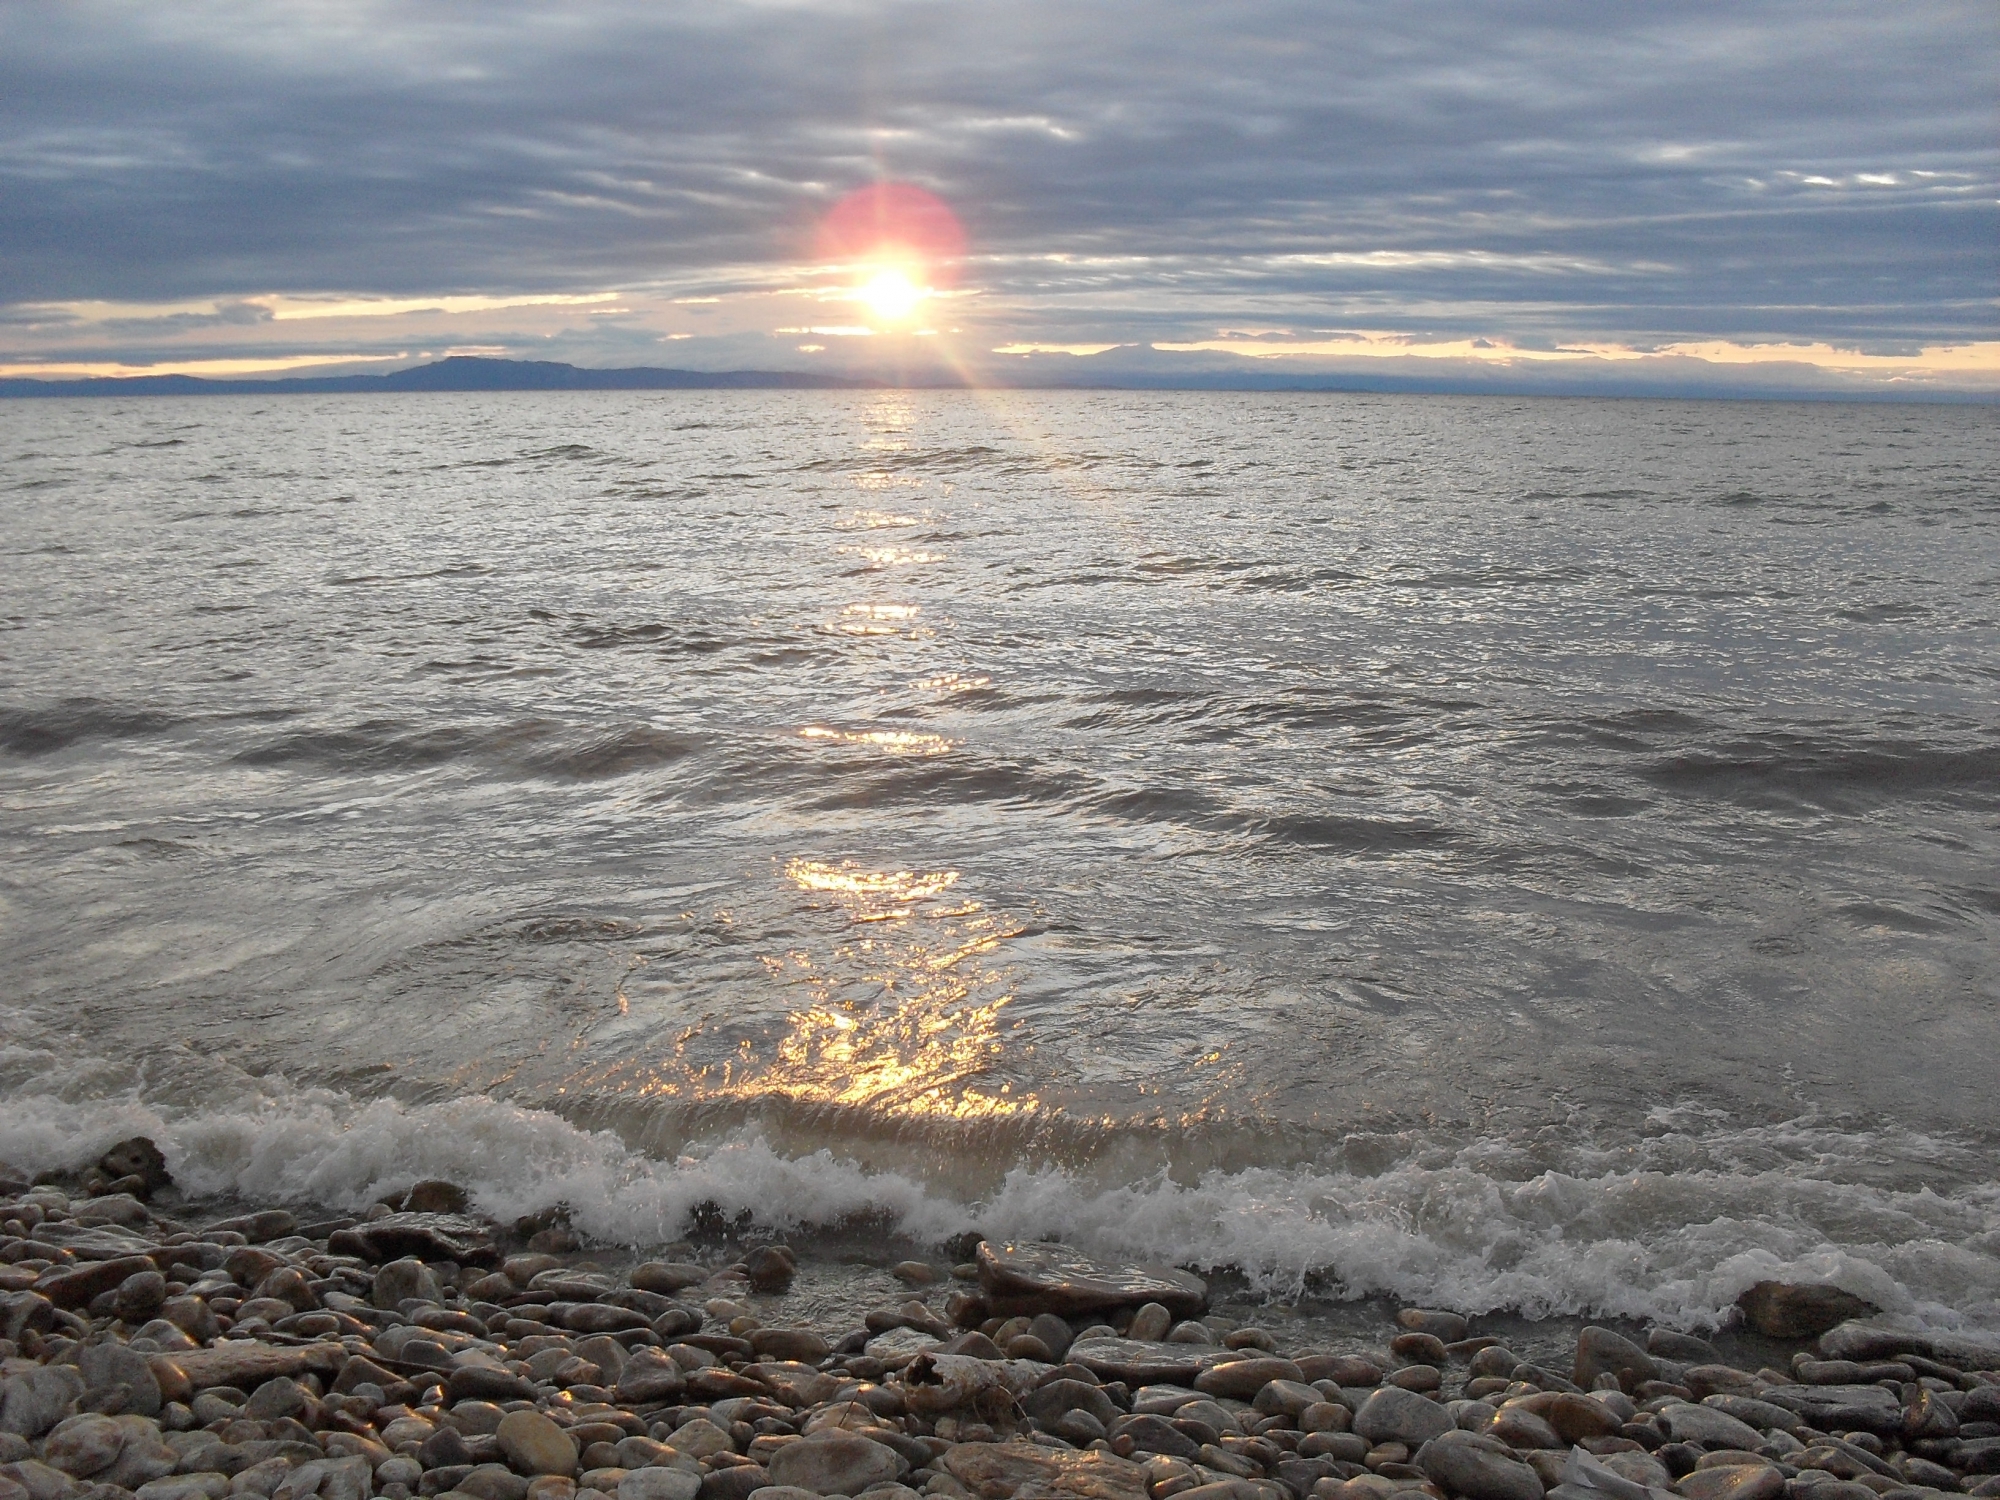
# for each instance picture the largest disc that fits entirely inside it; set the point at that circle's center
(419, 1349)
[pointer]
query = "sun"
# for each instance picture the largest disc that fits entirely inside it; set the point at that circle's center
(896, 246)
(891, 294)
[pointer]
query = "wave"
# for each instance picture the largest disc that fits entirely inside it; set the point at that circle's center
(1778, 769)
(525, 747)
(1671, 1228)
(57, 726)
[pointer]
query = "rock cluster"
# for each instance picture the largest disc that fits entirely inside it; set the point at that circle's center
(409, 1354)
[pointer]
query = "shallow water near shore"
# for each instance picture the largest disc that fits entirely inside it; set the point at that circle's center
(1533, 855)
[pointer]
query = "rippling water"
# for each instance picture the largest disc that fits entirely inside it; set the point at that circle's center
(1536, 853)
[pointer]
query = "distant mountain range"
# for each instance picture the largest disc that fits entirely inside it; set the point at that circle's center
(1125, 369)
(462, 372)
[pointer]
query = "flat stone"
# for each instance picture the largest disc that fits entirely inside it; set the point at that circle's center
(140, 1295)
(1708, 1427)
(436, 1196)
(1712, 1380)
(1664, 1343)
(788, 1344)
(1138, 1362)
(121, 1209)
(1518, 1427)
(649, 1375)
(897, 1341)
(84, 1446)
(666, 1277)
(1867, 1341)
(1151, 1433)
(535, 1445)
(1447, 1326)
(1765, 1416)
(35, 1400)
(1344, 1370)
(491, 1482)
(700, 1438)
(1578, 1417)
(427, 1237)
(1478, 1468)
(1977, 1455)
(445, 1448)
(1394, 1415)
(78, 1287)
(597, 1317)
(193, 1316)
(1599, 1351)
(1040, 1277)
(246, 1364)
(1799, 1309)
(143, 1456)
(1734, 1482)
(198, 1486)
(834, 1462)
(115, 1364)
(659, 1484)
(94, 1241)
(1242, 1379)
(402, 1279)
(340, 1479)
(1002, 1471)
(484, 1383)
(1049, 1401)
(38, 1481)
(269, 1224)
(800, 1383)
(1640, 1468)
(1290, 1398)
(1325, 1416)
(1842, 1408)
(23, 1310)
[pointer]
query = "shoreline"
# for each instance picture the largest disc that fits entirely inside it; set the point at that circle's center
(152, 1350)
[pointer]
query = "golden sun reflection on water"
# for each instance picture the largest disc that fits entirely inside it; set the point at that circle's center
(878, 619)
(890, 557)
(896, 741)
(903, 1015)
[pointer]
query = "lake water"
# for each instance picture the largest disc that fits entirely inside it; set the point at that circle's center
(1536, 854)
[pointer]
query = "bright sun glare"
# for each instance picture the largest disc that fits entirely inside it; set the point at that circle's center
(891, 294)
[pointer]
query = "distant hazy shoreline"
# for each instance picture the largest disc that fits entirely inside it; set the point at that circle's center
(465, 373)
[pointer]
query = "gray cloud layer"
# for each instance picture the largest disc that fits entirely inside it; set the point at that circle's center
(1643, 172)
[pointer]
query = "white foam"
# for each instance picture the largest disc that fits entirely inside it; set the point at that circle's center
(1670, 1229)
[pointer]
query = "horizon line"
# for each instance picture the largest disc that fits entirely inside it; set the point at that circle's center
(473, 374)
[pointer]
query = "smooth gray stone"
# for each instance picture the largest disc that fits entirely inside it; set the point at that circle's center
(1042, 1277)
(1708, 1427)
(114, 1364)
(1478, 1468)
(1599, 1351)
(35, 1400)
(1834, 1408)
(1765, 1416)
(1394, 1415)
(1141, 1363)
(1867, 1340)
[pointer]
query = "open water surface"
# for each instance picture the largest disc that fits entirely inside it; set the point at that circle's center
(1535, 854)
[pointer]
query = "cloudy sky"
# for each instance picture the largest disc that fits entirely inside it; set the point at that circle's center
(1801, 194)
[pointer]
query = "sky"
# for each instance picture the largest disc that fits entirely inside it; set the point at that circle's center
(1758, 194)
